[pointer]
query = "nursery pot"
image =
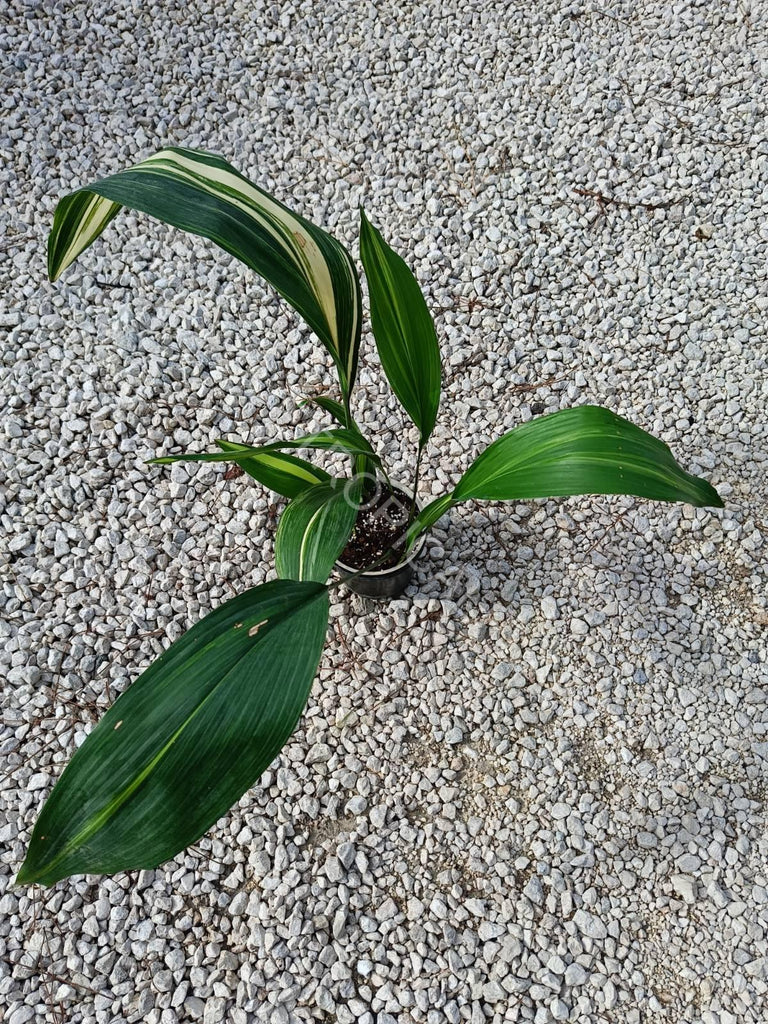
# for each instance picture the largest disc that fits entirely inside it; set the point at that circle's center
(384, 583)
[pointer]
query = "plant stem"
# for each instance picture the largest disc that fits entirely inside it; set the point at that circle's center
(347, 410)
(358, 463)
(390, 485)
(415, 483)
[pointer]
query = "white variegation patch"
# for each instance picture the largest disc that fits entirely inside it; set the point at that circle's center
(321, 267)
(287, 230)
(92, 221)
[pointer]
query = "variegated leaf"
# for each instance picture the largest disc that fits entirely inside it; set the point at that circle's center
(314, 529)
(281, 473)
(201, 193)
(339, 439)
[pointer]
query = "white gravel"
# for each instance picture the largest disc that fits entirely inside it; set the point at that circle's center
(535, 789)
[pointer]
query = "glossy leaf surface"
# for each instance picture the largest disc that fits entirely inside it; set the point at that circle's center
(284, 474)
(339, 439)
(314, 530)
(201, 193)
(403, 329)
(187, 739)
(587, 450)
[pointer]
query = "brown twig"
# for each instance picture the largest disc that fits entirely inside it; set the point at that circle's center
(620, 518)
(603, 201)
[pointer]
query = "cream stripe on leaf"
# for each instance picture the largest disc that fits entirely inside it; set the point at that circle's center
(281, 473)
(338, 439)
(314, 529)
(201, 193)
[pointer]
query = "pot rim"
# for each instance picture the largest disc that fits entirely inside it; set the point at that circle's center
(393, 569)
(377, 573)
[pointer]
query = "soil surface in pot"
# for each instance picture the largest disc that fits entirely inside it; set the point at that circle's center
(381, 524)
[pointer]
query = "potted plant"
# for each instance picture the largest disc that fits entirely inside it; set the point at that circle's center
(200, 725)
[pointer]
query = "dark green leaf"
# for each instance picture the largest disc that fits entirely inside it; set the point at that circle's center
(404, 331)
(587, 450)
(314, 529)
(182, 745)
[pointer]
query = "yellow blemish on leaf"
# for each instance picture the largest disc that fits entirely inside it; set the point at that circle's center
(255, 629)
(238, 625)
(118, 724)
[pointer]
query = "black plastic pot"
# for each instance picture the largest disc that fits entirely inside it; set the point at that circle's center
(384, 583)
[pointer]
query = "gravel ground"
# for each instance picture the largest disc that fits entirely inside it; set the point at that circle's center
(535, 788)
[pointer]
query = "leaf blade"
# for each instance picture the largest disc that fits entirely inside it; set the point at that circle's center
(403, 329)
(203, 194)
(286, 475)
(314, 529)
(586, 450)
(338, 439)
(202, 722)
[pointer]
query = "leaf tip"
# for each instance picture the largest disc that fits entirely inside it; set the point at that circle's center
(27, 874)
(715, 501)
(53, 270)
